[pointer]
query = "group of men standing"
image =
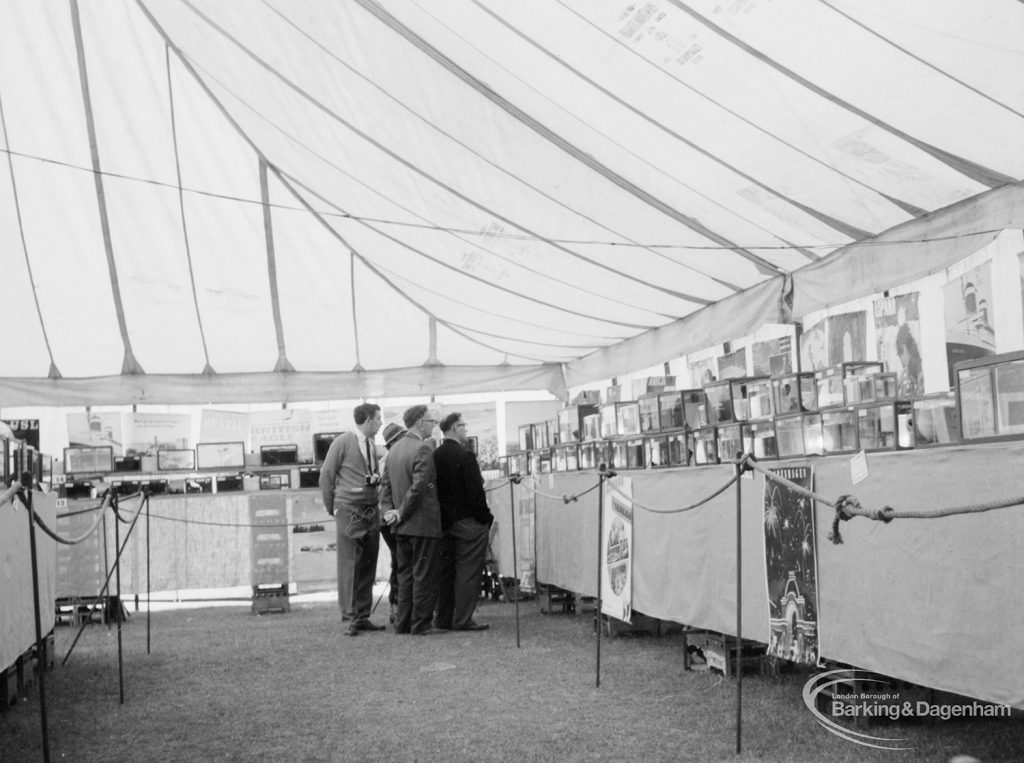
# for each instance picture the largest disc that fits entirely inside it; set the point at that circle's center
(432, 507)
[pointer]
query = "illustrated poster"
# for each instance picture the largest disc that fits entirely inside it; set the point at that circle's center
(95, 430)
(617, 550)
(290, 426)
(813, 349)
(970, 331)
(150, 432)
(847, 337)
(898, 333)
(223, 426)
(791, 565)
(526, 550)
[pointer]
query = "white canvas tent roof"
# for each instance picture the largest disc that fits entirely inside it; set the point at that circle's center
(203, 201)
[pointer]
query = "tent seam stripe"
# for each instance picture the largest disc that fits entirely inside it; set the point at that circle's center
(966, 167)
(129, 363)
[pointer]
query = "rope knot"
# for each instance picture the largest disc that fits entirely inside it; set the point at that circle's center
(569, 498)
(515, 478)
(845, 506)
(745, 462)
(885, 514)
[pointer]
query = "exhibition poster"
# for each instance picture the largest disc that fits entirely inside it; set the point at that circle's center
(790, 552)
(526, 534)
(617, 550)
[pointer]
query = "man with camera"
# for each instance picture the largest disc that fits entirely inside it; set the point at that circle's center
(348, 484)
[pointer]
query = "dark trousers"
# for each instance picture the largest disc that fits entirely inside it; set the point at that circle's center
(357, 569)
(417, 583)
(463, 550)
(390, 540)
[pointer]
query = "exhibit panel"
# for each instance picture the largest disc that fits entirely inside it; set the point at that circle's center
(17, 614)
(936, 602)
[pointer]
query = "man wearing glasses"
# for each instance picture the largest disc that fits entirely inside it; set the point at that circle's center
(348, 486)
(410, 505)
(466, 521)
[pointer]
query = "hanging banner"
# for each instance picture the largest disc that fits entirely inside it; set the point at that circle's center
(617, 549)
(847, 337)
(791, 564)
(526, 534)
(970, 322)
(26, 430)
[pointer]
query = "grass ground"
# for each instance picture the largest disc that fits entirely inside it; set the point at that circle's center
(222, 684)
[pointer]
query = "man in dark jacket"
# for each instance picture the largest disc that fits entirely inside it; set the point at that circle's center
(409, 502)
(466, 521)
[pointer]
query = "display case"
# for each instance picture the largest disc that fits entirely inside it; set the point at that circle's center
(541, 435)
(227, 455)
(680, 447)
(990, 396)
(175, 459)
(799, 434)
(609, 421)
(627, 418)
(525, 437)
(794, 392)
(656, 451)
(628, 453)
(839, 430)
(705, 446)
(754, 399)
(321, 444)
(87, 460)
(279, 455)
(570, 422)
(869, 387)
(589, 452)
(885, 426)
(936, 420)
(650, 414)
(762, 442)
(519, 463)
(566, 458)
(540, 461)
(592, 427)
(830, 382)
(719, 396)
(732, 440)
(683, 408)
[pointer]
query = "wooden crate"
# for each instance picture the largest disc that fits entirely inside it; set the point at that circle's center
(270, 598)
(727, 654)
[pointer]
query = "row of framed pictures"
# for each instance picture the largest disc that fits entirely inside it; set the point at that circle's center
(853, 405)
(215, 455)
(126, 484)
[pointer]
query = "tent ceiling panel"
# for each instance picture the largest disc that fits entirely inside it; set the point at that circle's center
(396, 197)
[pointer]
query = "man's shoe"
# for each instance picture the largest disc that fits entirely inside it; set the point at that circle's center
(440, 627)
(428, 631)
(473, 626)
(367, 625)
(352, 629)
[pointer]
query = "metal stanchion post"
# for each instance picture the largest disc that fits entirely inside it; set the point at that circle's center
(739, 605)
(149, 607)
(514, 479)
(41, 656)
(117, 596)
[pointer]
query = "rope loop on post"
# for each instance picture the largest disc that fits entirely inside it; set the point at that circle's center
(515, 478)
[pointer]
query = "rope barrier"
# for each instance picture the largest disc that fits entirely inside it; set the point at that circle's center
(76, 540)
(637, 505)
(847, 506)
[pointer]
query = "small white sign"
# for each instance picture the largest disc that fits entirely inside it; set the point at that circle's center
(859, 468)
(62, 503)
